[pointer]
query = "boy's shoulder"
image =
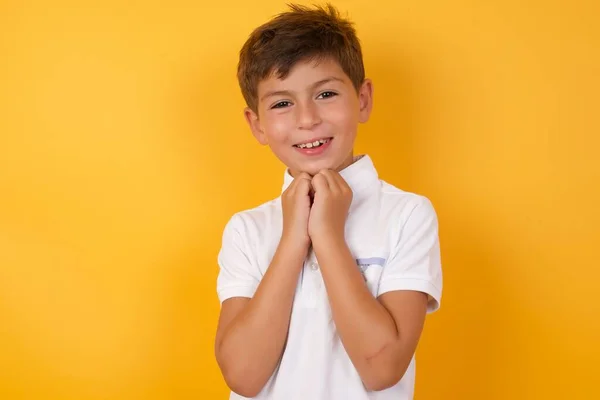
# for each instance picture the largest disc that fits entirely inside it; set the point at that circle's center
(397, 197)
(256, 219)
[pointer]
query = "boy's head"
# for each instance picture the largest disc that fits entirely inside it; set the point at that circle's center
(303, 79)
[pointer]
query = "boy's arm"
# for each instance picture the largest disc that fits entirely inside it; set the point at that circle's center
(380, 335)
(252, 331)
(256, 311)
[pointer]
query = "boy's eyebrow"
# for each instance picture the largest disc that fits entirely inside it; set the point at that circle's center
(313, 86)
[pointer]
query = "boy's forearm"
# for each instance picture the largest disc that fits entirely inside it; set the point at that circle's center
(254, 341)
(364, 325)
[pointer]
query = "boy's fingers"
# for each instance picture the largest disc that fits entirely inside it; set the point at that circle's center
(304, 180)
(320, 183)
(299, 179)
(303, 175)
(333, 183)
(303, 185)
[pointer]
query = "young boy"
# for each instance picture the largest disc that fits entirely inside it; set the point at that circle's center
(325, 289)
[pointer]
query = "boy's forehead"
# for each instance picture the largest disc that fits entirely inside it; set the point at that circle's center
(303, 74)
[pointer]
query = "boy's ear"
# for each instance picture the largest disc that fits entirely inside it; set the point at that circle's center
(365, 100)
(254, 124)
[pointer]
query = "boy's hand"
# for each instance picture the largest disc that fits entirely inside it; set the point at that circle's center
(295, 202)
(330, 208)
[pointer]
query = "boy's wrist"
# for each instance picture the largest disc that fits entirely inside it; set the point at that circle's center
(329, 242)
(293, 247)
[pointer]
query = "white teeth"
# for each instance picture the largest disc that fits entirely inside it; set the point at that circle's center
(316, 143)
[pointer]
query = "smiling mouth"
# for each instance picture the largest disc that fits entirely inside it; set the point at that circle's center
(313, 144)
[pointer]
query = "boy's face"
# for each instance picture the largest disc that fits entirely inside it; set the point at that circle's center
(310, 118)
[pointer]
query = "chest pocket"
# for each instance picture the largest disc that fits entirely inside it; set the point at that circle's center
(371, 269)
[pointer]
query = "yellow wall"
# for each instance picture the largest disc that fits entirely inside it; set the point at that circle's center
(123, 152)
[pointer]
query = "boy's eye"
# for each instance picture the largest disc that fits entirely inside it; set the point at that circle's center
(325, 95)
(281, 104)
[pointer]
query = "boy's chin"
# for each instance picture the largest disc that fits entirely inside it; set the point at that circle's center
(314, 168)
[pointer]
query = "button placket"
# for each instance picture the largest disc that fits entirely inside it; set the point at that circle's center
(311, 280)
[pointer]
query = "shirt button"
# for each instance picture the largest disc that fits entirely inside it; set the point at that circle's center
(314, 266)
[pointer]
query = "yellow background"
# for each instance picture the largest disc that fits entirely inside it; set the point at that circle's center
(123, 152)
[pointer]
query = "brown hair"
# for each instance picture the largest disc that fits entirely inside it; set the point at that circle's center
(301, 34)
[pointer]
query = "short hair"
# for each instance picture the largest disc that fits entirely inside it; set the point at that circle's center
(301, 34)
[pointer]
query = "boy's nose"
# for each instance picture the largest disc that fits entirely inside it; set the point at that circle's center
(308, 116)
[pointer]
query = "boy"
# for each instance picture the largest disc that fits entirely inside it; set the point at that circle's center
(325, 289)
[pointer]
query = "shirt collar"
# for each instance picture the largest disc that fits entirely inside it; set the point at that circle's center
(359, 175)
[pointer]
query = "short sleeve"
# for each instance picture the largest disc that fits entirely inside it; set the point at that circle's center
(238, 277)
(414, 262)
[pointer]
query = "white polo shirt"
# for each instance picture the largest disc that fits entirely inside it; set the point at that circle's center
(392, 234)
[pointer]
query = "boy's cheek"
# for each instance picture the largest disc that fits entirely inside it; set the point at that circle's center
(277, 125)
(342, 117)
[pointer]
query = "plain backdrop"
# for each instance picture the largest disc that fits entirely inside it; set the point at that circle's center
(123, 152)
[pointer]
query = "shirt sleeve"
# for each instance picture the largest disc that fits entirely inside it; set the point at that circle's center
(414, 262)
(238, 277)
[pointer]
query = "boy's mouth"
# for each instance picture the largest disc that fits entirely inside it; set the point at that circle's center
(314, 143)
